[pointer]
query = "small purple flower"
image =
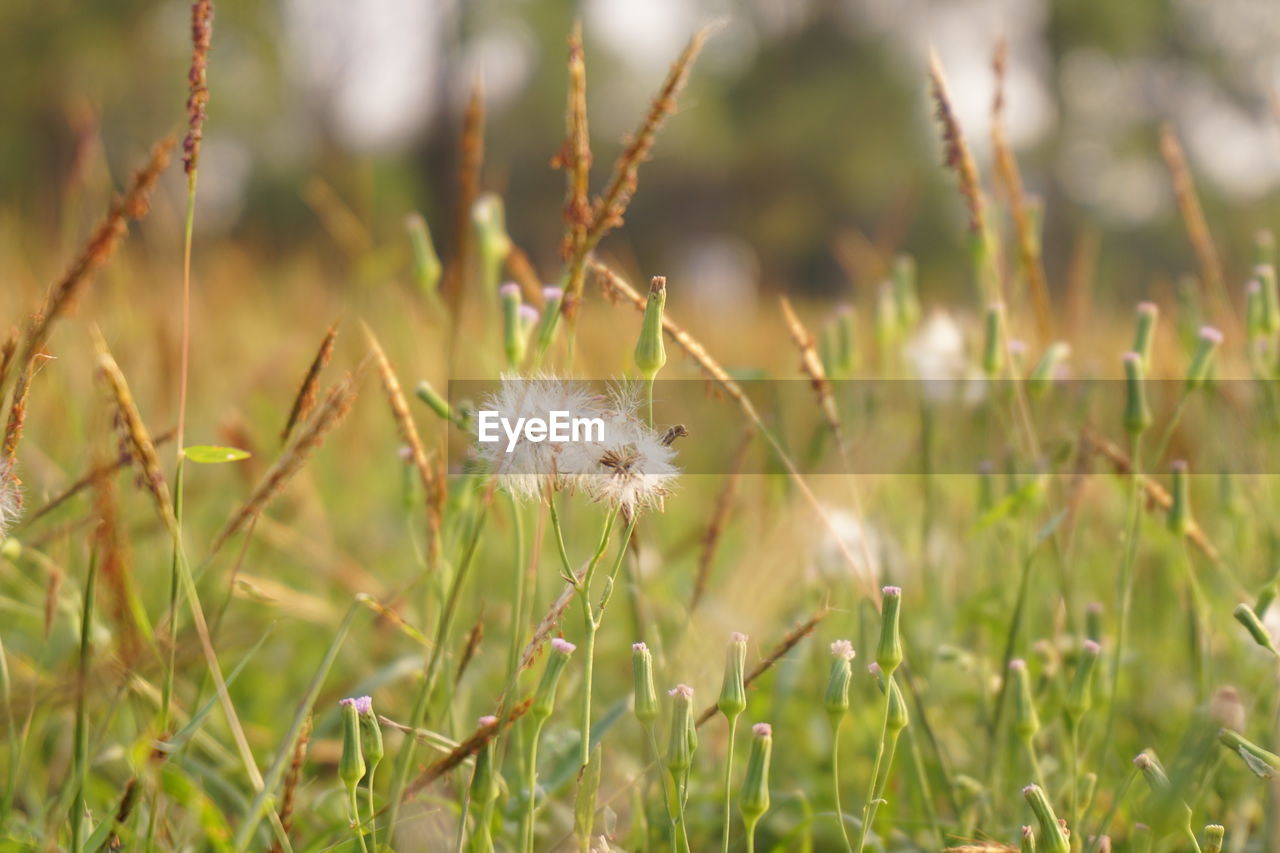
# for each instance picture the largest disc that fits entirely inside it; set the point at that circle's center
(762, 730)
(529, 314)
(891, 591)
(639, 647)
(560, 644)
(843, 649)
(348, 701)
(737, 637)
(488, 720)
(681, 691)
(1092, 647)
(1210, 335)
(364, 705)
(553, 294)
(508, 290)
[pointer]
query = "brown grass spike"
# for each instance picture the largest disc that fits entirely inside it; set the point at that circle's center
(197, 83)
(305, 401)
(471, 158)
(811, 364)
(719, 519)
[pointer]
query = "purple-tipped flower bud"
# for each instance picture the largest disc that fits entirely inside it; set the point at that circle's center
(1080, 695)
(370, 732)
(646, 697)
(1137, 414)
(1053, 836)
(889, 651)
(1027, 840)
(1026, 721)
(426, 263)
(682, 742)
(351, 764)
(1207, 343)
(1045, 369)
(733, 691)
(755, 785)
(544, 699)
(1144, 334)
(553, 299)
(651, 352)
(993, 340)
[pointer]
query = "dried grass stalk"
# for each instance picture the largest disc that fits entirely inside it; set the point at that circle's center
(1206, 251)
(134, 205)
(520, 268)
(958, 156)
(305, 401)
(1011, 177)
(575, 155)
(291, 779)
(720, 513)
(469, 649)
(408, 429)
(135, 432)
(467, 748)
(471, 158)
(811, 364)
(336, 405)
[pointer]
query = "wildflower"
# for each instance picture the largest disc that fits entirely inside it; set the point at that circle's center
(370, 732)
(1144, 336)
(646, 698)
(754, 801)
(1027, 841)
(650, 353)
(351, 765)
(733, 692)
(427, 268)
(484, 784)
(1052, 833)
(1026, 722)
(1207, 343)
(1080, 694)
(545, 699)
(1213, 836)
(1137, 414)
(837, 698)
(632, 469)
(889, 652)
(1245, 615)
(683, 740)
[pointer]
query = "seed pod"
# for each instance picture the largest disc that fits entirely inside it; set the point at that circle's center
(1052, 835)
(755, 785)
(837, 697)
(992, 341)
(426, 263)
(733, 692)
(1137, 414)
(544, 699)
(651, 351)
(1213, 836)
(1246, 616)
(1144, 334)
(646, 698)
(513, 331)
(1042, 374)
(1080, 694)
(680, 746)
(1207, 343)
(351, 764)
(1179, 519)
(889, 651)
(1026, 721)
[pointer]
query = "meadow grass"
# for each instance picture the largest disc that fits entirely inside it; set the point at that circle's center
(325, 626)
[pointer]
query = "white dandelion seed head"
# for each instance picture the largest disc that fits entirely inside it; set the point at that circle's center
(532, 467)
(10, 500)
(632, 469)
(844, 549)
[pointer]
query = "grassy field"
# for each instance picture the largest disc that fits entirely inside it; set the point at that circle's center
(237, 493)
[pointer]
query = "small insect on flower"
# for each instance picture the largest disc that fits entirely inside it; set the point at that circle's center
(633, 469)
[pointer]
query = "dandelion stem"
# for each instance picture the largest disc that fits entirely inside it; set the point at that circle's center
(836, 725)
(1126, 581)
(873, 791)
(591, 622)
(728, 779)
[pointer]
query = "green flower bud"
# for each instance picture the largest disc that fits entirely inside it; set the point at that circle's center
(733, 691)
(351, 765)
(1042, 374)
(904, 291)
(484, 783)
(544, 700)
(1254, 755)
(680, 746)
(437, 403)
(1267, 595)
(651, 351)
(1213, 836)
(1080, 694)
(646, 698)
(1053, 836)
(889, 651)
(490, 223)
(837, 698)
(426, 263)
(1026, 721)
(898, 717)
(1137, 414)
(1093, 621)
(754, 801)
(1246, 616)
(992, 341)
(1152, 770)
(553, 301)
(514, 332)
(370, 733)
(1255, 310)
(1027, 842)
(1144, 335)
(1207, 343)
(1180, 509)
